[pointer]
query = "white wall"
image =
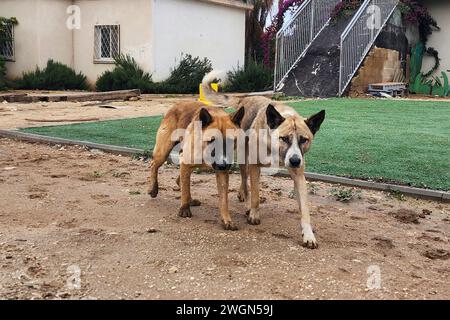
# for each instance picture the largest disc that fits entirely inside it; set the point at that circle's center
(198, 28)
(154, 32)
(40, 35)
(440, 40)
(134, 18)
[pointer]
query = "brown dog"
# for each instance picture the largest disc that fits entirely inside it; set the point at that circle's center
(209, 120)
(295, 135)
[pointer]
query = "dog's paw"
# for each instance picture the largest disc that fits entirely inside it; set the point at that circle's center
(309, 240)
(230, 226)
(310, 244)
(185, 212)
(195, 203)
(242, 196)
(153, 190)
(253, 217)
(253, 221)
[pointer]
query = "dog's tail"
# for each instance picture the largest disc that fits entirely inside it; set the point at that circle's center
(218, 99)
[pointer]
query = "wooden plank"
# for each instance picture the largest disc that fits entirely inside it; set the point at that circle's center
(73, 97)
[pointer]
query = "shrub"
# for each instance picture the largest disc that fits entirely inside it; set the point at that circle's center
(126, 75)
(184, 78)
(187, 75)
(4, 38)
(2, 74)
(254, 77)
(55, 76)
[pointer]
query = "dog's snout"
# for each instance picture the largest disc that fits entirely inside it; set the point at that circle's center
(223, 166)
(295, 161)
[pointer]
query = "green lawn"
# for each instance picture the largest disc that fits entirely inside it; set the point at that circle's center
(406, 142)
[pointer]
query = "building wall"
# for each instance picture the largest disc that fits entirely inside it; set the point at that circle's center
(154, 32)
(439, 10)
(134, 18)
(35, 41)
(198, 28)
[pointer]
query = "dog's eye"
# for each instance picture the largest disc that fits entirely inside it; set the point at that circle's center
(285, 139)
(303, 140)
(211, 140)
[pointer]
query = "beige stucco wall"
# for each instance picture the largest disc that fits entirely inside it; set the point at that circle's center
(440, 40)
(134, 18)
(36, 41)
(154, 32)
(198, 28)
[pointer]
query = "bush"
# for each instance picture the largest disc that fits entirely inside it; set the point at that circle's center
(55, 76)
(187, 76)
(2, 74)
(254, 77)
(184, 78)
(4, 38)
(126, 75)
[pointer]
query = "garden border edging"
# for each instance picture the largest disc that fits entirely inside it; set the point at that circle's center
(411, 191)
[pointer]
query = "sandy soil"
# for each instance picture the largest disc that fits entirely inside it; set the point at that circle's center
(66, 209)
(18, 115)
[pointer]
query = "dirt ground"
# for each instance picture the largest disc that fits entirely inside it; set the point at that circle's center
(77, 224)
(19, 115)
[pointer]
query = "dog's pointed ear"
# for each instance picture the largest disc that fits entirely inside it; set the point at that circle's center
(315, 121)
(205, 117)
(274, 118)
(238, 116)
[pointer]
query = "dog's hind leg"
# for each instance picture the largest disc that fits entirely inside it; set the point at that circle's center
(243, 190)
(254, 217)
(185, 184)
(222, 188)
(193, 202)
(161, 152)
(309, 240)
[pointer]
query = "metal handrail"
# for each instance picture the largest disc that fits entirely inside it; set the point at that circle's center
(358, 38)
(296, 36)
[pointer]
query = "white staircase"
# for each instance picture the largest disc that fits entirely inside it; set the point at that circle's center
(296, 36)
(360, 35)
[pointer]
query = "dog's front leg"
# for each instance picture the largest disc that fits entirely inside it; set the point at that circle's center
(222, 188)
(309, 240)
(253, 214)
(185, 184)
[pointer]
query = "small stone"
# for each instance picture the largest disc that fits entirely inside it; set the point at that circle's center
(173, 269)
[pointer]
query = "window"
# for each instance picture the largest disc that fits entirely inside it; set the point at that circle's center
(7, 46)
(107, 43)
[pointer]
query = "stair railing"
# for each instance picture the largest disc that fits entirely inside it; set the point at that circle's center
(297, 35)
(360, 35)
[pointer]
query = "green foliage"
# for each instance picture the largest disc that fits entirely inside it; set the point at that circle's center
(184, 78)
(187, 75)
(2, 74)
(397, 195)
(422, 83)
(3, 23)
(55, 76)
(345, 195)
(126, 75)
(254, 77)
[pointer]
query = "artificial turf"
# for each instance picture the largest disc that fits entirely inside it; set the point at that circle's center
(399, 141)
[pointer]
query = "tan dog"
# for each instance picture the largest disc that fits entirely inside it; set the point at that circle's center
(209, 119)
(295, 137)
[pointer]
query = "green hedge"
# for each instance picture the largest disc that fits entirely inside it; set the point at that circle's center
(55, 76)
(254, 77)
(184, 78)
